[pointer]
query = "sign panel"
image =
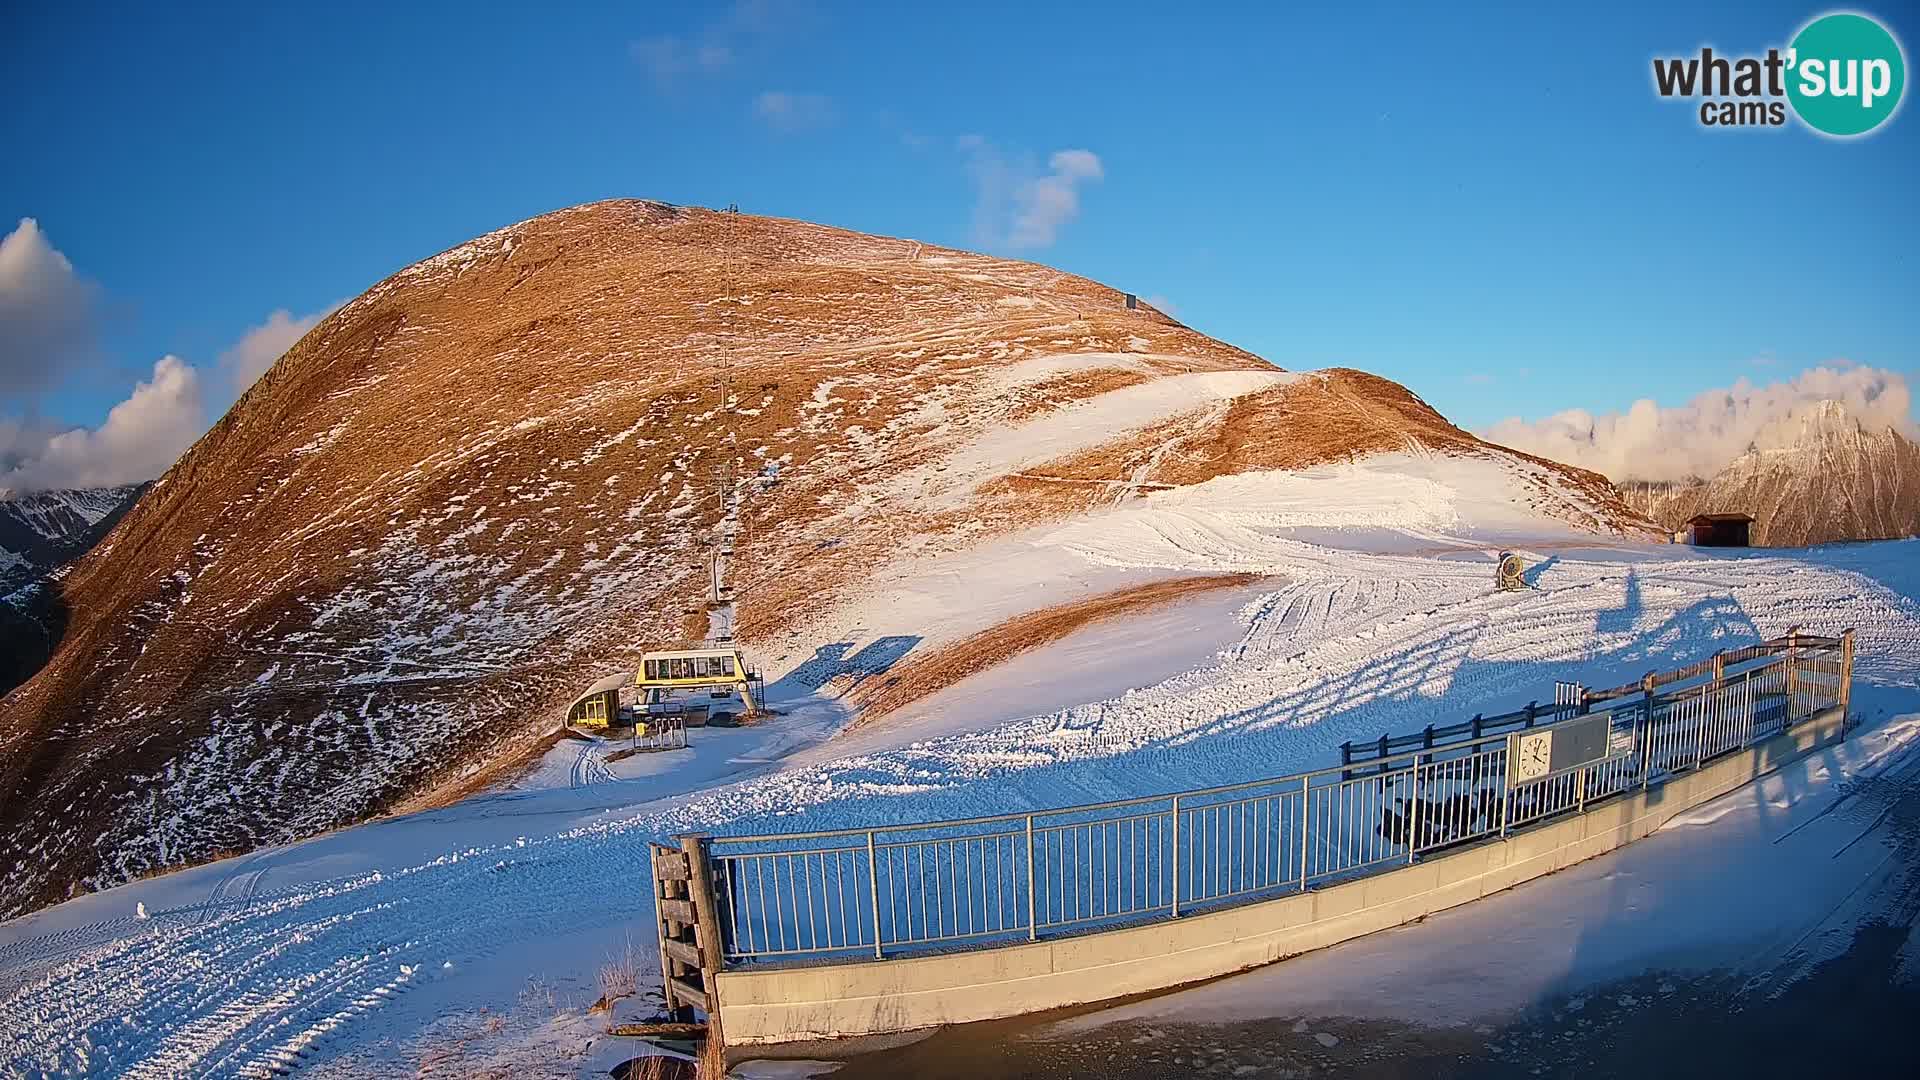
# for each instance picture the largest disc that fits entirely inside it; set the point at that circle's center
(1543, 752)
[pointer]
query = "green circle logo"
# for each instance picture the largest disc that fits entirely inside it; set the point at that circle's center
(1845, 74)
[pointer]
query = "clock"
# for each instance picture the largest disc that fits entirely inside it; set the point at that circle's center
(1530, 755)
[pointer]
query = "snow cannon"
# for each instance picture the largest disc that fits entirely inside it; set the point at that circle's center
(1511, 574)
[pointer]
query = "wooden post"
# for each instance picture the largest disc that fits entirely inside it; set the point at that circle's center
(706, 930)
(1846, 678)
(1793, 674)
(661, 891)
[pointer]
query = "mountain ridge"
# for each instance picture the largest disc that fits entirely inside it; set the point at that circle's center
(39, 530)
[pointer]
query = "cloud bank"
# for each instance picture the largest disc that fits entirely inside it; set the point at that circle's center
(46, 312)
(251, 356)
(48, 325)
(139, 439)
(1698, 439)
(1017, 204)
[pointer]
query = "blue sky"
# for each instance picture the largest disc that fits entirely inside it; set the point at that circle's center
(1488, 204)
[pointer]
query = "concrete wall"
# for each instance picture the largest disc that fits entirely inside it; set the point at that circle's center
(794, 1004)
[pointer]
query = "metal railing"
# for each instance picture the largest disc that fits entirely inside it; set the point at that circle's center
(888, 890)
(658, 732)
(1572, 699)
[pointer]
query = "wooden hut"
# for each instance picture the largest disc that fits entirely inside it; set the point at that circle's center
(1720, 530)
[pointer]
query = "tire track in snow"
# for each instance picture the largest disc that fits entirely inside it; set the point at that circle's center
(239, 886)
(19, 959)
(590, 766)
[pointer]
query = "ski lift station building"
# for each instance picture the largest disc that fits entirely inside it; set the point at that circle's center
(599, 705)
(686, 669)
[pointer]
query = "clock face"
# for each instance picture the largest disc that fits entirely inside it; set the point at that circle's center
(1532, 755)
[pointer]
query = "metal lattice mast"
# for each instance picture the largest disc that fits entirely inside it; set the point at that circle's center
(721, 611)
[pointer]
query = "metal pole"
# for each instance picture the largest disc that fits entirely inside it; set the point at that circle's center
(1413, 810)
(1646, 744)
(873, 890)
(1304, 832)
(1506, 789)
(1033, 924)
(1176, 856)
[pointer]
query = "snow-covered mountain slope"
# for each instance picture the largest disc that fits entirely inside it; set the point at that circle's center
(470, 937)
(39, 530)
(493, 477)
(1826, 479)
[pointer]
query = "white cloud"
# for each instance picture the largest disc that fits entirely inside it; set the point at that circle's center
(668, 58)
(46, 312)
(139, 439)
(23, 440)
(251, 356)
(716, 45)
(145, 434)
(789, 112)
(1648, 442)
(47, 332)
(1016, 203)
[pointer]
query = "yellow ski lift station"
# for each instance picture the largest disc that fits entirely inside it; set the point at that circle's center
(681, 669)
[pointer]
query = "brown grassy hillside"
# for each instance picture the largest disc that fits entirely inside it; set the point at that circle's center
(491, 477)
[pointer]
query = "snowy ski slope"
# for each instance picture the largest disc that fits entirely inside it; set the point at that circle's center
(359, 951)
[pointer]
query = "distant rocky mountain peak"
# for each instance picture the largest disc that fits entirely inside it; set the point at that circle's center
(1816, 477)
(39, 530)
